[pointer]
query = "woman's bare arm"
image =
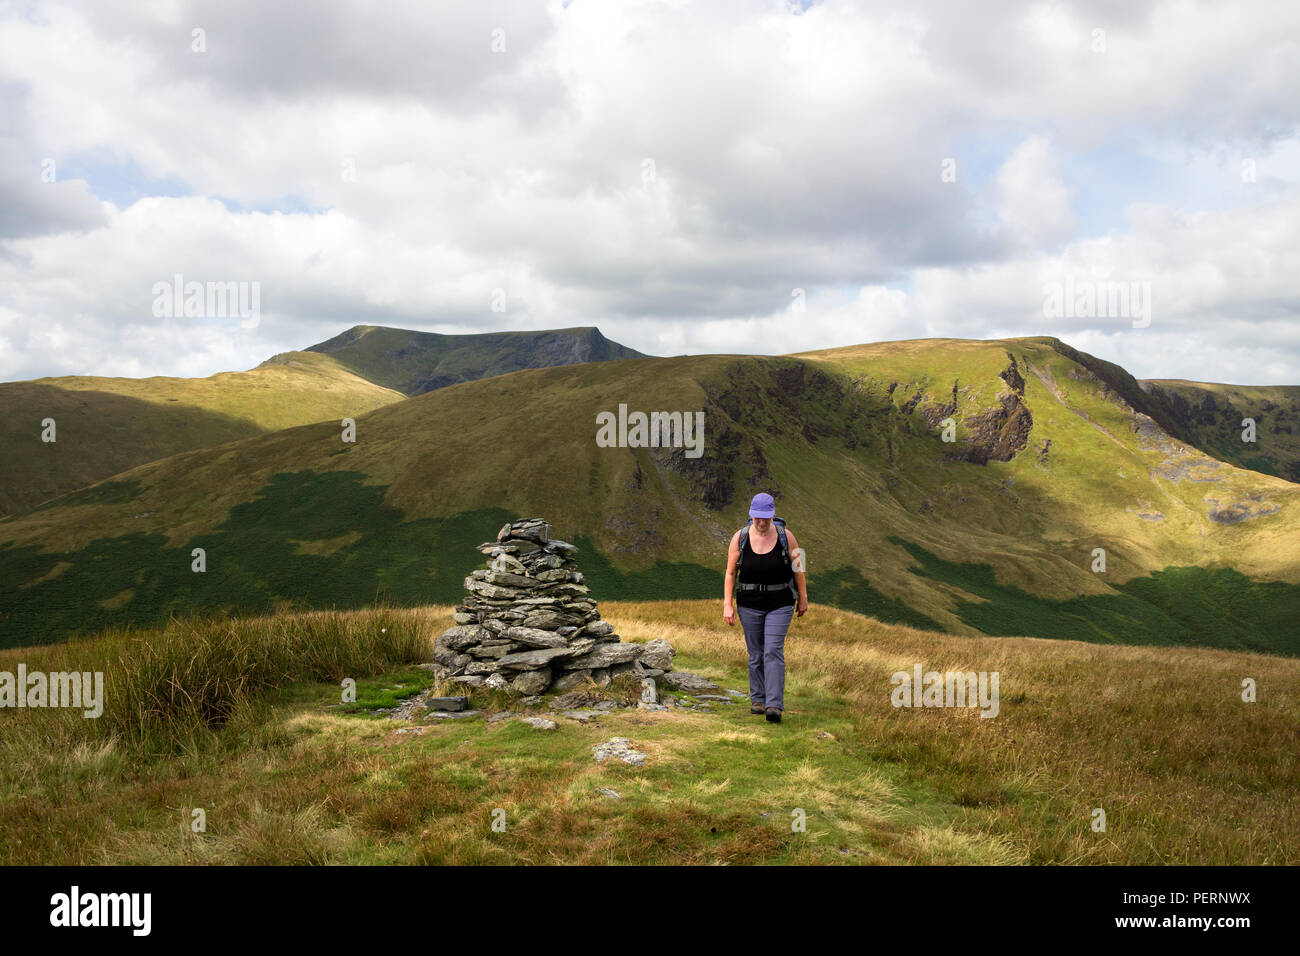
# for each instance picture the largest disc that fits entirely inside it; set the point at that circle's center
(729, 580)
(800, 580)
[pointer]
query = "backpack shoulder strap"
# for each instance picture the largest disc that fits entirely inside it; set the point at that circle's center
(785, 554)
(744, 540)
(781, 539)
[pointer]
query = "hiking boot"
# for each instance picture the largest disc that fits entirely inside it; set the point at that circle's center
(756, 708)
(773, 715)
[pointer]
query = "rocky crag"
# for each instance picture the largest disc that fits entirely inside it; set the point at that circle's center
(529, 624)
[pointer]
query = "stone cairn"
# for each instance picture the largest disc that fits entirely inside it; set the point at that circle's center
(529, 624)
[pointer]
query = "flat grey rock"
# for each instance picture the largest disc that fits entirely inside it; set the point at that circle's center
(532, 660)
(605, 655)
(489, 651)
(657, 654)
(443, 703)
(535, 637)
(531, 682)
(502, 561)
(493, 590)
(570, 680)
(461, 636)
(541, 723)
(575, 700)
(618, 748)
(509, 580)
(692, 683)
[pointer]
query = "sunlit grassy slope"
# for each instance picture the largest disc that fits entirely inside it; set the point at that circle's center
(107, 425)
(895, 521)
(243, 719)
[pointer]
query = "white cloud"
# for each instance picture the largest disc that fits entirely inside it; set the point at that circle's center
(1034, 205)
(788, 152)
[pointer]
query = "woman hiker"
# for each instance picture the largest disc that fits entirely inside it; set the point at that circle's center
(769, 576)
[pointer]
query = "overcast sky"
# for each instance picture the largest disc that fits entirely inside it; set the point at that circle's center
(720, 176)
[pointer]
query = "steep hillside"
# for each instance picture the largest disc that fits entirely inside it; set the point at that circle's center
(107, 425)
(995, 532)
(417, 362)
(1210, 416)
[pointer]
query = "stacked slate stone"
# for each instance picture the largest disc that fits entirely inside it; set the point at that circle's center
(529, 623)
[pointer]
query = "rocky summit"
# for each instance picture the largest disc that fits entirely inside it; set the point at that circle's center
(529, 624)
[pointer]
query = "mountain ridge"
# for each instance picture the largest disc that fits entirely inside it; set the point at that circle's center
(414, 362)
(112, 424)
(897, 522)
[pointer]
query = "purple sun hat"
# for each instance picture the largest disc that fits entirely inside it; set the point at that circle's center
(762, 506)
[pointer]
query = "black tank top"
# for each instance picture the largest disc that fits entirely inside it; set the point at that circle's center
(763, 569)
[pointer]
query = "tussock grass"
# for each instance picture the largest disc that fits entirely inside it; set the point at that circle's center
(1157, 737)
(165, 688)
(246, 723)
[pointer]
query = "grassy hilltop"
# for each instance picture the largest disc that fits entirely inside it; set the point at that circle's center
(107, 425)
(993, 533)
(417, 362)
(242, 718)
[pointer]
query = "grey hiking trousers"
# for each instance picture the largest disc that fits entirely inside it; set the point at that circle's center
(765, 641)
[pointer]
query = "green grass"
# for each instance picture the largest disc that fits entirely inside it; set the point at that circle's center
(104, 493)
(105, 426)
(286, 774)
(298, 519)
(1196, 607)
(719, 787)
(1209, 415)
(387, 690)
(847, 589)
(255, 564)
(167, 689)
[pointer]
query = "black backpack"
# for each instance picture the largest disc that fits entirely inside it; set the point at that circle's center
(782, 543)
